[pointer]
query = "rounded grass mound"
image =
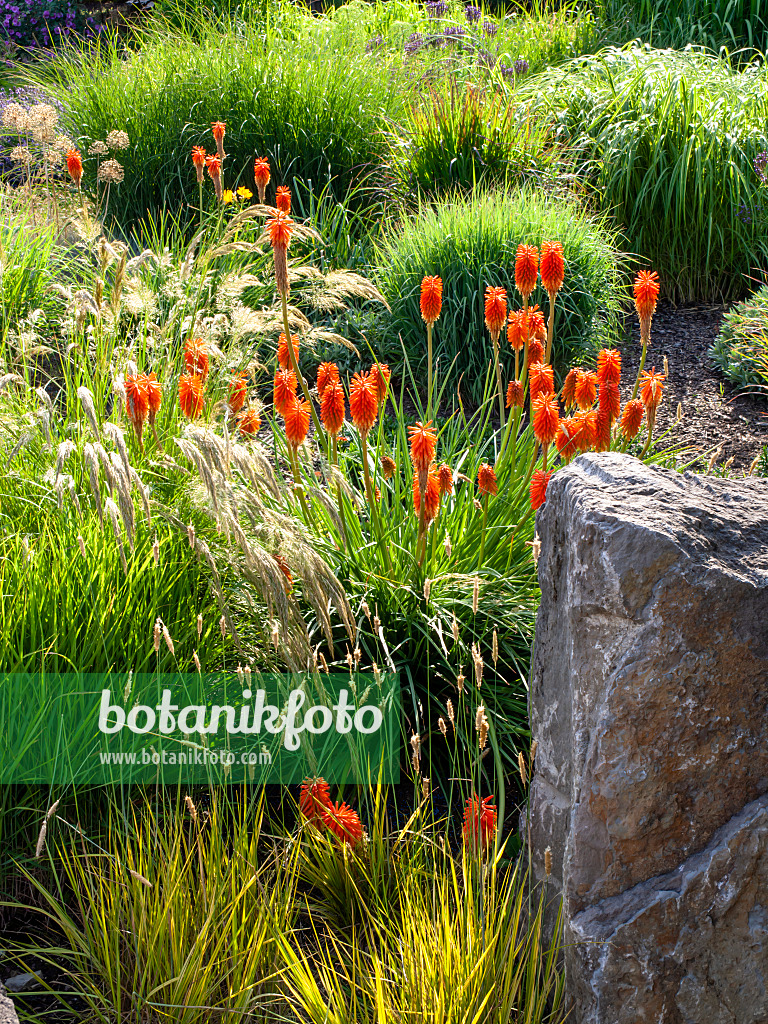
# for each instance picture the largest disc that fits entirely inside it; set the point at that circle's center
(314, 112)
(741, 349)
(669, 140)
(470, 242)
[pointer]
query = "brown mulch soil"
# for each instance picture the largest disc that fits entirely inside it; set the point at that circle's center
(715, 413)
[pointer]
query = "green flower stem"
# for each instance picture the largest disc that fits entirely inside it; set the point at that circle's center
(640, 369)
(373, 506)
(295, 367)
(550, 326)
(498, 380)
(429, 371)
(482, 536)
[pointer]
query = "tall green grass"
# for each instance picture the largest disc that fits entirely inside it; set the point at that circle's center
(734, 24)
(470, 242)
(741, 348)
(668, 140)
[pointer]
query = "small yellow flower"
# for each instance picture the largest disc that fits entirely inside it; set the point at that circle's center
(227, 196)
(245, 193)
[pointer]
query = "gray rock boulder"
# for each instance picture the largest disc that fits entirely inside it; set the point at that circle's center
(649, 703)
(7, 1012)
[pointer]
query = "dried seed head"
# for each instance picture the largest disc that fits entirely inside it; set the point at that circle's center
(416, 745)
(111, 172)
(451, 713)
(479, 716)
(191, 535)
(679, 413)
(447, 545)
(41, 840)
(753, 465)
(460, 680)
(168, 641)
(199, 625)
(479, 665)
(191, 807)
(521, 766)
(455, 629)
(323, 663)
(223, 626)
(427, 588)
(81, 545)
(442, 726)
(366, 610)
(97, 149)
(477, 505)
(376, 673)
(483, 738)
(358, 656)
(714, 458)
(548, 861)
(248, 676)
(275, 635)
(157, 632)
(536, 549)
(534, 748)
(156, 551)
(729, 462)
(495, 648)
(118, 140)
(377, 623)
(197, 662)
(475, 595)
(350, 661)
(240, 674)
(425, 789)
(666, 367)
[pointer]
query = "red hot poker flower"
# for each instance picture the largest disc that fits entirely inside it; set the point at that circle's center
(196, 358)
(198, 159)
(296, 421)
(486, 480)
(632, 418)
(479, 822)
(568, 393)
(609, 366)
(431, 299)
(314, 797)
(379, 375)
(423, 445)
(214, 170)
(249, 423)
(191, 398)
(283, 199)
(526, 269)
(261, 175)
(495, 310)
(432, 495)
(517, 330)
(646, 291)
(535, 351)
(284, 390)
(445, 479)
(538, 489)
(515, 395)
(327, 373)
(541, 379)
(609, 399)
(343, 822)
(363, 403)
(283, 356)
(585, 390)
(154, 396)
(552, 266)
(280, 228)
(332, 408)
(651, 388)
(136, 402)
(238, 393)
(546, 418)
(74, 165)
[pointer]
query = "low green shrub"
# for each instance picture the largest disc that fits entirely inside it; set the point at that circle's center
(741, 348)
(669, 141)
(470, 242)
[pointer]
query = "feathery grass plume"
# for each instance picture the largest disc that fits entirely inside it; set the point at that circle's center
(475, 594)
(64, 450)
(479, 665)
(114, 517)
(114, 433)
(123, 490)
(156, 634)
(86, 400)
(521, 766)
(548, 861)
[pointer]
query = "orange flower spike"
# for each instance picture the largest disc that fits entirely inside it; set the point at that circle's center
(261, 174)
(609, 366)
(75, 165)
(552, 266)
(380, 374)
(646, 290)
(567, 433)
(198, 159)
(196, 359)
(327, 373)
(343, 822)
(154, 397)
(296, 417)
(515, 395)
(431, 299)
(219, 128)
(284, 390)
(283, 199)
(432, 496)
(517, 330)
(423, 445)
(214, 170)
(541, 379)
(249, 423)
(538, 488)
(136, 403)
(388, 467)
(586, 437)
(363, 403)
(191, 397)
(609, 399)
(495, 310)
(445, 479)
(632, 418)
(480, 818)
(486, 480)
(603, 431)
(283, 357)
(332, 408)
(568, 393)
(536, 327)
(535, 351)
(546, 418)
(526, 269)
(238, 393)
(280, 227)
(314, 797)
(585, 389)
(651, 388)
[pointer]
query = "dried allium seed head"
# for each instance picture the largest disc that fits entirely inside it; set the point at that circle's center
(21, 155)
(548, 861)
(118, 140)
(157, 632)
(13, 115)
(81, 545)
(111, 172)
(97, 149)
(442, 726)
(521, 766)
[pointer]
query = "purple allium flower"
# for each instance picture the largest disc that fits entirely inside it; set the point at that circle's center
(454, 32)
(486, 59)
(520, 66)
(437, 8)
(374, 43)
(507, 71)
(472, 14)
(490, 28)
(760, 164)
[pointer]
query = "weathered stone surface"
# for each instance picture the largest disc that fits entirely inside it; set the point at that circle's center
(650, 706)
(7, 1012)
